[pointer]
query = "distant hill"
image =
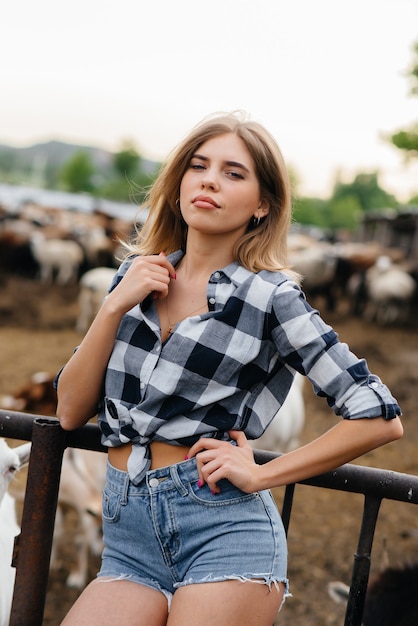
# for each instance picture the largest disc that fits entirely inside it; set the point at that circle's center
(57, 153)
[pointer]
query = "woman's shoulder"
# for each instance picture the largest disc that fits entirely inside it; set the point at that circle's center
(279, 277)
(267, 289)
(241, 275)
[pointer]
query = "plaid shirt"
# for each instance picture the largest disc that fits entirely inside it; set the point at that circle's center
(229, 368)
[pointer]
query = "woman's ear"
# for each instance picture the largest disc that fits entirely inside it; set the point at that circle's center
(263, 209)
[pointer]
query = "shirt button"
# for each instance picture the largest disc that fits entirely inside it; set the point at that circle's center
(216, 275)
(157, 349)
(374, 385)
(212, 300)
(142, 385)
(154, 482)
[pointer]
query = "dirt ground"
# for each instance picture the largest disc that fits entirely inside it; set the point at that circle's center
(37, 333)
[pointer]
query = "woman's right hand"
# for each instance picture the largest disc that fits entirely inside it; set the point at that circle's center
(80, 386)
(146, 275)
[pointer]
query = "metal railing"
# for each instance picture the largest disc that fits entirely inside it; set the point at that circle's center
(33, 546)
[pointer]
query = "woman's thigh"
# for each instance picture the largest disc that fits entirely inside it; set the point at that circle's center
(229, 603)
(107, 602)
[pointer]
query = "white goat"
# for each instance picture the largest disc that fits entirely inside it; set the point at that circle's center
(282, 435)
(11, 460)
(80, 492)
(389, 291)
(81, 485)
(317, 264)
(94, 285)
(97, 245)
(61, 256)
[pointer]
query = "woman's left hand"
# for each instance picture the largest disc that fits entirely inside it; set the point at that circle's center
(219, 459)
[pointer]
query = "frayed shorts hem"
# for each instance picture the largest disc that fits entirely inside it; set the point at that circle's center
(108, 577)
(261, 579)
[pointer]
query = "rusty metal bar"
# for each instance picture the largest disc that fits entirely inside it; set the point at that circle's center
(16, 425)
(362, 560)
(361, 479)
(33, 546)
(287, 506)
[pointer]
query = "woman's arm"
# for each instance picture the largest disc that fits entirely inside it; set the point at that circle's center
(343, 443)
(346, 441)
(80, 385)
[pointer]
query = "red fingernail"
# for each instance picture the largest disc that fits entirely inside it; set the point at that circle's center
(200, 483)
(186, 457)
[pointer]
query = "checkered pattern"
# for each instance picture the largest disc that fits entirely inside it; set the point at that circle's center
(230, 368)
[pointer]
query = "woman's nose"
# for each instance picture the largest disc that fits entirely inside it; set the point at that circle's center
(209, 180)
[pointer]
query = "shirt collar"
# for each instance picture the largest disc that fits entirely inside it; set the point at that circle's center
(234, 271)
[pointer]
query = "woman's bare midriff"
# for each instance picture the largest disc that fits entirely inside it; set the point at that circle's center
(162, 454)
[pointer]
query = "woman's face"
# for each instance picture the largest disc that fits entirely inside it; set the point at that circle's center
(220, 192)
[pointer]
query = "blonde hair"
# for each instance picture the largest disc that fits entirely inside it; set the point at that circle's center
(263, 246)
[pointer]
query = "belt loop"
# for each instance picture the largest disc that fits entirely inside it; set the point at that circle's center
(124, 492)
(177, 481)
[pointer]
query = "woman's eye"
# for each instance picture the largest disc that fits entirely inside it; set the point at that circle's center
(234, 174)
(197, 166)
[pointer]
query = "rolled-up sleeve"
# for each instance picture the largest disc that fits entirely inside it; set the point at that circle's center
(313, 348)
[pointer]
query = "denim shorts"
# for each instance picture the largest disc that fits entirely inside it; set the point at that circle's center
(167, 532)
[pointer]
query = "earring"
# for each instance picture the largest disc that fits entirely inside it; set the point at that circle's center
(256, 221)
(178, 203)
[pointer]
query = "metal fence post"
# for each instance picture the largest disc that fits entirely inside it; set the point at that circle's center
(362, 560)
(33, 546)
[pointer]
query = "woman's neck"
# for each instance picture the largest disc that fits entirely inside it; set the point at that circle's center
(202, 261)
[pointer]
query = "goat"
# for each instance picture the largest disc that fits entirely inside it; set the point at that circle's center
(97, 245)
(282, 435)
(389, 291)
(81, 485)
(16, 256)
(391, 597)
(62, 256)
(11, 460)
(94, 286)
(82, 479)
(316, 263)
(36, 396)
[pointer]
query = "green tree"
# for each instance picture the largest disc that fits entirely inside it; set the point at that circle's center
(310, 211)
(126, 162)
(77, 173)
(366, 191)
(129, 179)
(407, 139)
(344, 213)
(333, 214)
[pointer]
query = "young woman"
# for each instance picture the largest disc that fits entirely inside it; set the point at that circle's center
(191, 354)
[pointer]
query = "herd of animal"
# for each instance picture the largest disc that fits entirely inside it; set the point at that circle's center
(63, 247)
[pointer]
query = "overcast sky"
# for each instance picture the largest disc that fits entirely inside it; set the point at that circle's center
(328, 78)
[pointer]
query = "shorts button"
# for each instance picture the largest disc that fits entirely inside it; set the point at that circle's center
(154, 482)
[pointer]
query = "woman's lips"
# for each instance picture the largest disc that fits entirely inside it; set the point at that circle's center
(205, 202)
